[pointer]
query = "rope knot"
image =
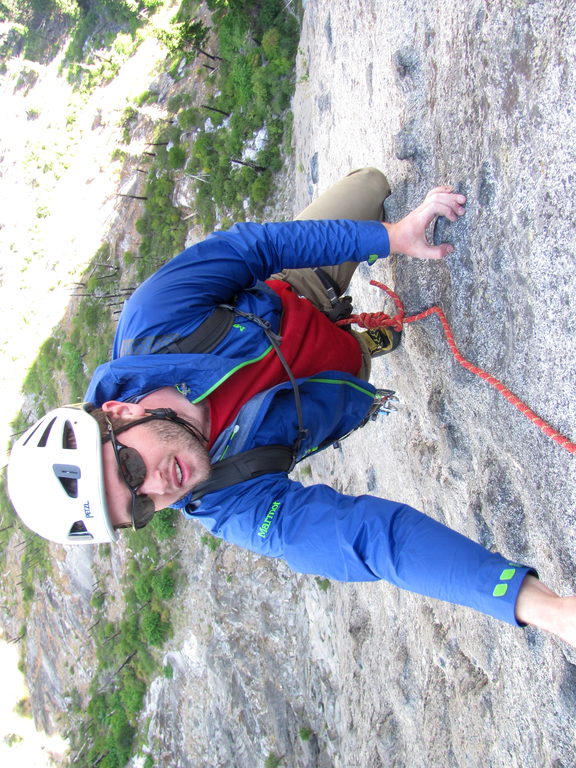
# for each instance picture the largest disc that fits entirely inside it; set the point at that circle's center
(379, 319)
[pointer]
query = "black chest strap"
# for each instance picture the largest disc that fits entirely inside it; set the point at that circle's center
(206, 337)
(245, 466)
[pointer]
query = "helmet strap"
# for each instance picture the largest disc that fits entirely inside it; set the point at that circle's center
(161, 414)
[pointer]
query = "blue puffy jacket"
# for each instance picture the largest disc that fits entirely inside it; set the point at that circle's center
(314, 529)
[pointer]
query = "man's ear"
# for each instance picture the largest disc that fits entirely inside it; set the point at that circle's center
(123, 410)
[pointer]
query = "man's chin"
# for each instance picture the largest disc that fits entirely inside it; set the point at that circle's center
(204, 476)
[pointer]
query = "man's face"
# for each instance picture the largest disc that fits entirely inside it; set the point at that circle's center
(175, 463)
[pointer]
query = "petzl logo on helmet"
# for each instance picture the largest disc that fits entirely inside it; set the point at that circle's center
(87, 511)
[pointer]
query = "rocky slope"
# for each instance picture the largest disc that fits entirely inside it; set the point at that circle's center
(479, 95)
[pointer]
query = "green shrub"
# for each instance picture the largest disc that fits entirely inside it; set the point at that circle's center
(98, 600)
(176, 102)
(132, 693)
(176, 157)
(128, 258)
(147, 97)
(129, 638)
(232, 33)
(155, 630)
(211, 542)
(73, 367)
(23, 707)
(271, 42)
(190, 118)
(164, 583)
(261, 188)
(145, 663)
(164, 523)
(143, 587)
(89, 313)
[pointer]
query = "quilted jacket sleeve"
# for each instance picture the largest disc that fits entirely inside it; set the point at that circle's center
(183, 292)
(216, 269)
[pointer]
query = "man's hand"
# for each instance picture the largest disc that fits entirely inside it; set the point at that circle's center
(408, 236)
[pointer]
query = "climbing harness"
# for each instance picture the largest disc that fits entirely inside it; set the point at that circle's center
(379, 319)
(340, 306)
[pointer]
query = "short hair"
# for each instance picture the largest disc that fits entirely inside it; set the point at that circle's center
(102, 419)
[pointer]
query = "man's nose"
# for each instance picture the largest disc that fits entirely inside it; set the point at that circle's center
(154, 483)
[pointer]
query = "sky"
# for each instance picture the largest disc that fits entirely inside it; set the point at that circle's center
(33, 751)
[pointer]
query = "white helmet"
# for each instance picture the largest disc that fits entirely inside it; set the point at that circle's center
(56, 478)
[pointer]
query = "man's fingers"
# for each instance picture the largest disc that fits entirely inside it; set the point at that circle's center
(444, 201)
(439, 189)
(450, 206)
(446, 191)
(445, 250)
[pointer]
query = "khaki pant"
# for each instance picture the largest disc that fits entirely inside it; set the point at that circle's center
(358, 196)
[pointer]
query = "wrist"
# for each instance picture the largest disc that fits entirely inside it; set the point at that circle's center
(540, 607)
(535, 602)
(393, 239)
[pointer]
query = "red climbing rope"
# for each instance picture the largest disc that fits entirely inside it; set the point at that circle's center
(381, 319)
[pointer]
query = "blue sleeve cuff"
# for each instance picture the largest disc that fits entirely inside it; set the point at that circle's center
(507, 583)
(374, 240)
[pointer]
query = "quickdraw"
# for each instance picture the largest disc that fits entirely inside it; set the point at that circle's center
(381, 319)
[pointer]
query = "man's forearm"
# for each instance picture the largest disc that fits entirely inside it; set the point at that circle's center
(540, 607)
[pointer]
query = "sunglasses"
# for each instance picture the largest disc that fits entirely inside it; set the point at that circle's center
(133, 471)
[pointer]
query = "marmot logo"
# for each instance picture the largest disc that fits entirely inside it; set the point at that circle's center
(263, 530)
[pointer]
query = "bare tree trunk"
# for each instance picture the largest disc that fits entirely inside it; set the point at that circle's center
(248, 164)
(128, 659)
(209, 55)
(215, 109)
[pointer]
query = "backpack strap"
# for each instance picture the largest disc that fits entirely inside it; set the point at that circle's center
(244, 466)
(206, 337)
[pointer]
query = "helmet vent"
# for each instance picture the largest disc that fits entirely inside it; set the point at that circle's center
(44, 437)
(70, 485)
(68, 474)
(32, 433)
(79, 531)
(68, 436)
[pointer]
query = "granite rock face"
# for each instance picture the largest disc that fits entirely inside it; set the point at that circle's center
(481, 96)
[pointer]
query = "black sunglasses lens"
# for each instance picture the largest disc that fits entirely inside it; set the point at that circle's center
(142, 511)
(132, 466)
